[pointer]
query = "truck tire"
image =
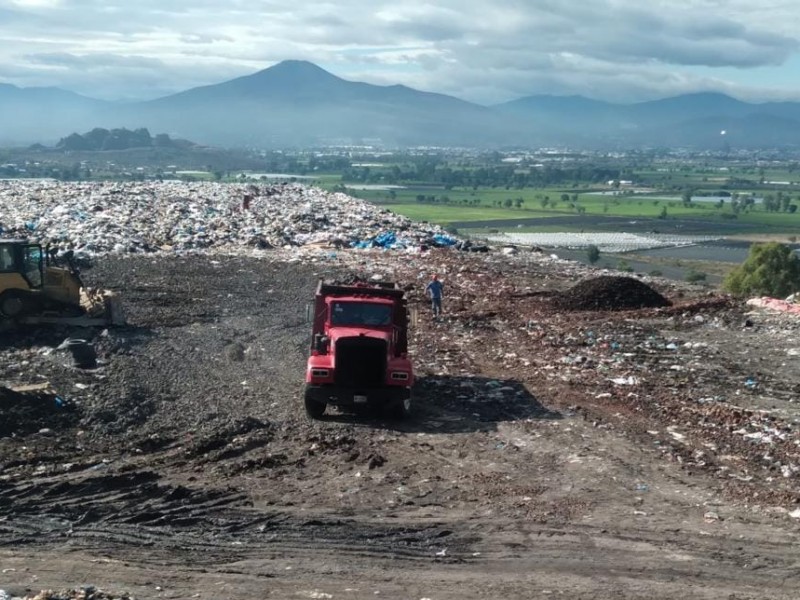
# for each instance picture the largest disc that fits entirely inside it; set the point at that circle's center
(314, 409)
(83, 353)
(400, 410)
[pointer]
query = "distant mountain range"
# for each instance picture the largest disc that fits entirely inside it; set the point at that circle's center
(298, 104)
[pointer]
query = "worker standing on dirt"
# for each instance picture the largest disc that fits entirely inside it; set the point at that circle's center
(435, 290)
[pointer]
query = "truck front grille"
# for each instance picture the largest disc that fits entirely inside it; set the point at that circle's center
(360, 362)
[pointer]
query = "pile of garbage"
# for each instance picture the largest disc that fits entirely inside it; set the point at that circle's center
(133, 217)
(608, 292)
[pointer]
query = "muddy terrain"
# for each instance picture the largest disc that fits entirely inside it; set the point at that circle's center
(575, 435)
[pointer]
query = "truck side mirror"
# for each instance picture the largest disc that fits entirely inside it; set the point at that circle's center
(309, 312)
(321, 343)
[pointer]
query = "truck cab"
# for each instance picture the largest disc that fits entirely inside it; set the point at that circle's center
(359, 349)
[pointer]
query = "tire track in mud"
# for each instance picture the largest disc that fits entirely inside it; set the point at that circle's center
(140, 518)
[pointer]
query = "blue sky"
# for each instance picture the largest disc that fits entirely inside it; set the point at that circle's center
(485, 51)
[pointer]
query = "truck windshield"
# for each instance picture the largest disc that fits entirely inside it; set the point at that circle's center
(360, 313)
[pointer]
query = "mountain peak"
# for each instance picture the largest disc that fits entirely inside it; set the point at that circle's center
(294, 72)
(294, 65)
(284, 80)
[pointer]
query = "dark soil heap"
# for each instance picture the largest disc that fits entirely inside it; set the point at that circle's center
(29, 412)
(610, 293)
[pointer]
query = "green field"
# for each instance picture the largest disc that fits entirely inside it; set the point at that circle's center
(658, 199)
(482, 207)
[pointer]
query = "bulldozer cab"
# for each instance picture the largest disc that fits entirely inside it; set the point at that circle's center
(21, 265)
(35, 290)
(29, 282)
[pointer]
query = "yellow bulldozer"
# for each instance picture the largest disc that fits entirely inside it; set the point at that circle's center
(35, 290)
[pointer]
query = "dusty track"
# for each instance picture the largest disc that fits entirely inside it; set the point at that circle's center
(188, 469)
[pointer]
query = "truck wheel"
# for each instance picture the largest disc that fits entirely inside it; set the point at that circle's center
(314, 409)
(83, 353)
(400, 410)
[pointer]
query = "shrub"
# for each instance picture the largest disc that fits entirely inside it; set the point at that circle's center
(771, 269)
(695, 276)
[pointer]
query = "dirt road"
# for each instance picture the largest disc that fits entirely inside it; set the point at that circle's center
(644, 453)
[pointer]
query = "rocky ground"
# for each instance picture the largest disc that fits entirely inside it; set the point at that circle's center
(575, 435)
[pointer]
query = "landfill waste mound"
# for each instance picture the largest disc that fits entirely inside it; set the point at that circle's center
(24, 412)
(610, 293)
(93, 218)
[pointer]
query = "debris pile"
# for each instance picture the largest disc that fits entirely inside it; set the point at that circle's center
(610, 293)
(85, 593)
(33, 408)
(112, 217)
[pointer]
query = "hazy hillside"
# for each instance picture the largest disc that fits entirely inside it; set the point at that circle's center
(296, 103)
(29, 115)
(690, 120)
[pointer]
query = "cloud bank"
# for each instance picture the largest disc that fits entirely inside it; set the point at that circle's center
(479, 50)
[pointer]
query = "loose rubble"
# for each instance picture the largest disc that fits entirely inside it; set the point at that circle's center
(32, 408)
(86, 593)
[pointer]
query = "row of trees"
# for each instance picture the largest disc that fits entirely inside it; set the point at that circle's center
(444, 199)
(779, 202)
(432, 170)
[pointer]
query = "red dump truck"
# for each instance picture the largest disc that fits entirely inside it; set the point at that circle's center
(359, 349)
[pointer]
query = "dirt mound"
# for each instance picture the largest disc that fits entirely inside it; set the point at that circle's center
(31, 411)
(87, 593)
(610, 293)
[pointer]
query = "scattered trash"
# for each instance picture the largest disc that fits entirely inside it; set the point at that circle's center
(630, 380)
(775, 304)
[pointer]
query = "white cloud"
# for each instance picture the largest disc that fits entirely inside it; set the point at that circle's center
(480, 50)
(36, 3)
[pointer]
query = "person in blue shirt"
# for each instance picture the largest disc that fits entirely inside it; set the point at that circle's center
(435, 290)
